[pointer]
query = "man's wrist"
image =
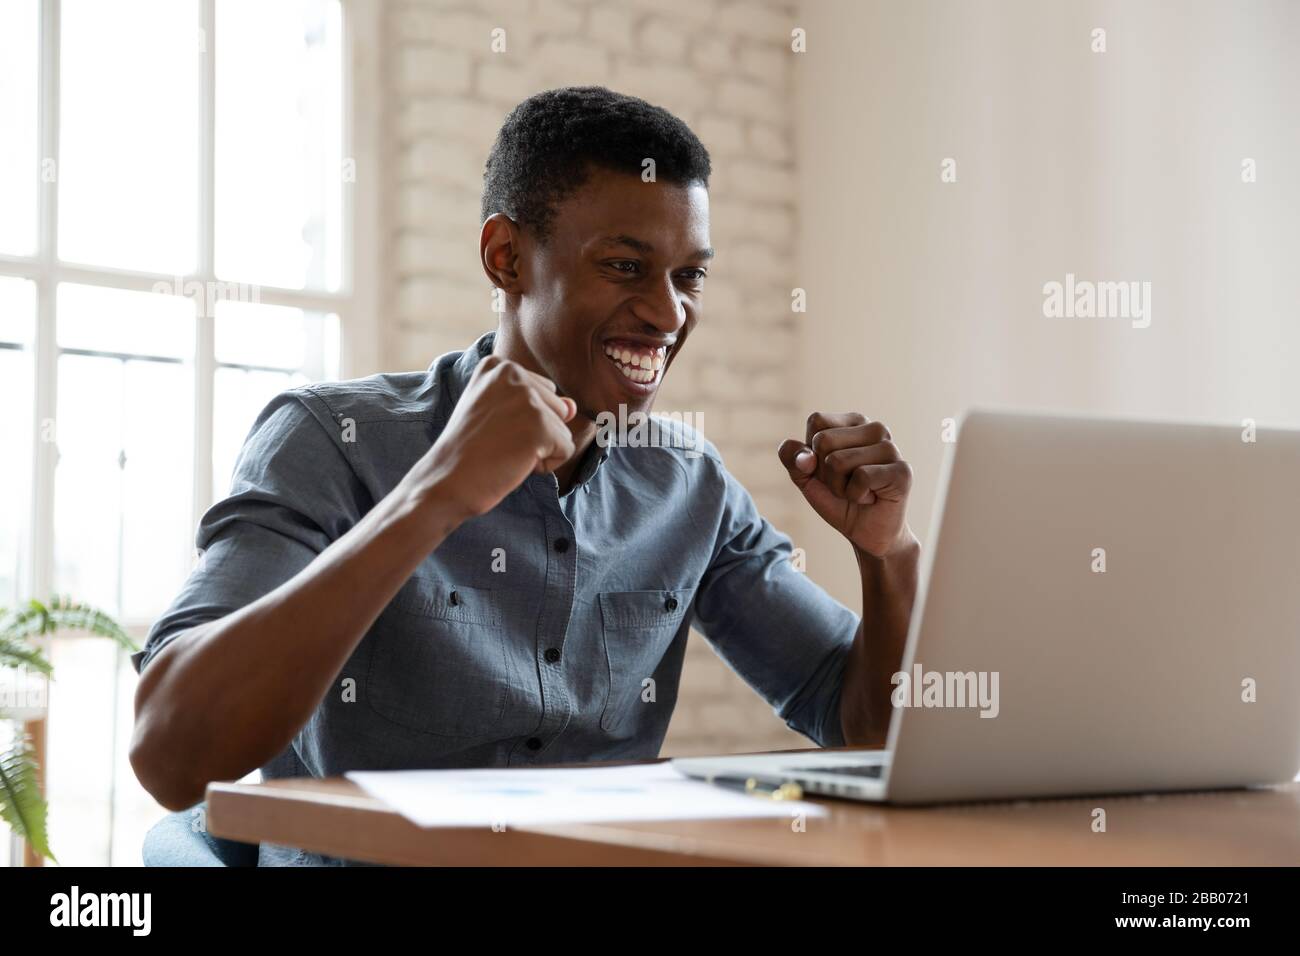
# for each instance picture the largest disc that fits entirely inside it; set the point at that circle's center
(906, 547)
(435, 506)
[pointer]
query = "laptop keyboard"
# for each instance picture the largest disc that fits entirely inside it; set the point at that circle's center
(872, 770)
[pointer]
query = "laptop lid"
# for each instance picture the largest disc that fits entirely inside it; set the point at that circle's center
(1106, 606)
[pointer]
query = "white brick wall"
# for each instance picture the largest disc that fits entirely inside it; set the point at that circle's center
(723, 66)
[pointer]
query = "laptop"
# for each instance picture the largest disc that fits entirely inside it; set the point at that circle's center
(1105, 606)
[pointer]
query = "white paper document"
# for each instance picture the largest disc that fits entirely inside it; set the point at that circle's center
(533, 796)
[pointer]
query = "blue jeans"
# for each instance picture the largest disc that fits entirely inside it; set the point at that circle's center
(180, 839)
(177, 840)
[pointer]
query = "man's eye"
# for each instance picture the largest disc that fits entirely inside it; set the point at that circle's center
(692, 275)
(628, 266)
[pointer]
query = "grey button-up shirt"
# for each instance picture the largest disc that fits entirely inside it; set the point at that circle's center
(551, 629)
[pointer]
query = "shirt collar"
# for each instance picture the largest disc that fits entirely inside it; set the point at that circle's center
(458, 375)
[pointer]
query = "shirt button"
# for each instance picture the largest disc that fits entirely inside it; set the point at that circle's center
(453, 598)
(561, 545)
(670, 604)
(552, 654)
(533, 744)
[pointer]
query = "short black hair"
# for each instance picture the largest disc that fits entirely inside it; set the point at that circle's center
(550, 142)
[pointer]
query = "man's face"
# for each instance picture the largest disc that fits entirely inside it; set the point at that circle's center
(613, 292)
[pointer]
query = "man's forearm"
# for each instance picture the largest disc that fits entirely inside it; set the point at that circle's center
(224, 697)
(888, 592)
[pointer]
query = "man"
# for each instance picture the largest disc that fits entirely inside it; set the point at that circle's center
(446, 569)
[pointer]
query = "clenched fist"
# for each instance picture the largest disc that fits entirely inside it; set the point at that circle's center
(508, 424)
(850, 471)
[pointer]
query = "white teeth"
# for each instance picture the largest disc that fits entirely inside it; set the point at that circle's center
(639, 366)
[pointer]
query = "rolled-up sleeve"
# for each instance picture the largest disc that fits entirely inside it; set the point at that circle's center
(784, 635)
(293, 492)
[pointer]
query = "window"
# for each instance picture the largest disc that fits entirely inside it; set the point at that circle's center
(175, 248)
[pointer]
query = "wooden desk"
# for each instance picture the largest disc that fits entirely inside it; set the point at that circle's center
(1221, 828)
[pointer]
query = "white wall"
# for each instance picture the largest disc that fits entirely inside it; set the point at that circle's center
(925, 297)
(724, 67)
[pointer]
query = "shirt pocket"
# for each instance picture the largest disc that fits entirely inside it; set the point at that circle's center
(637, 628)
(439, 663)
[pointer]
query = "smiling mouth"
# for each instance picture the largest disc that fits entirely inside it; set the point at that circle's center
(642, 364)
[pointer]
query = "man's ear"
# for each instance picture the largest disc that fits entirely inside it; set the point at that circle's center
(499, 248)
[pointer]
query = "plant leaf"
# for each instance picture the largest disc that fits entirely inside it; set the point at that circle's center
(22, 624)
(64, 613)
(21, 804)
(19, 654)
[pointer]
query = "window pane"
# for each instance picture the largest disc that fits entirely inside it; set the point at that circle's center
(79, 761)
(279, 163)
(17, 311)
(261, 351)
(15, 438)
(17, 322)
(157, 540)
(19, 65)
(116, 320)
(279, 337)
(128, 164)
(252, 334)
(88, 484)
(123, 484)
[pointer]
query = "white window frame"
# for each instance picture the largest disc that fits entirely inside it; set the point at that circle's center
(356, 303)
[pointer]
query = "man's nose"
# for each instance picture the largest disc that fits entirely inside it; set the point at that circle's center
(661, 307)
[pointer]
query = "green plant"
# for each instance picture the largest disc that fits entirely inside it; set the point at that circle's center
(22, 805)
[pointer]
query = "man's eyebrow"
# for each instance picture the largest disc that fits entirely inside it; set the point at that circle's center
(640, 245)
(645, 248)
